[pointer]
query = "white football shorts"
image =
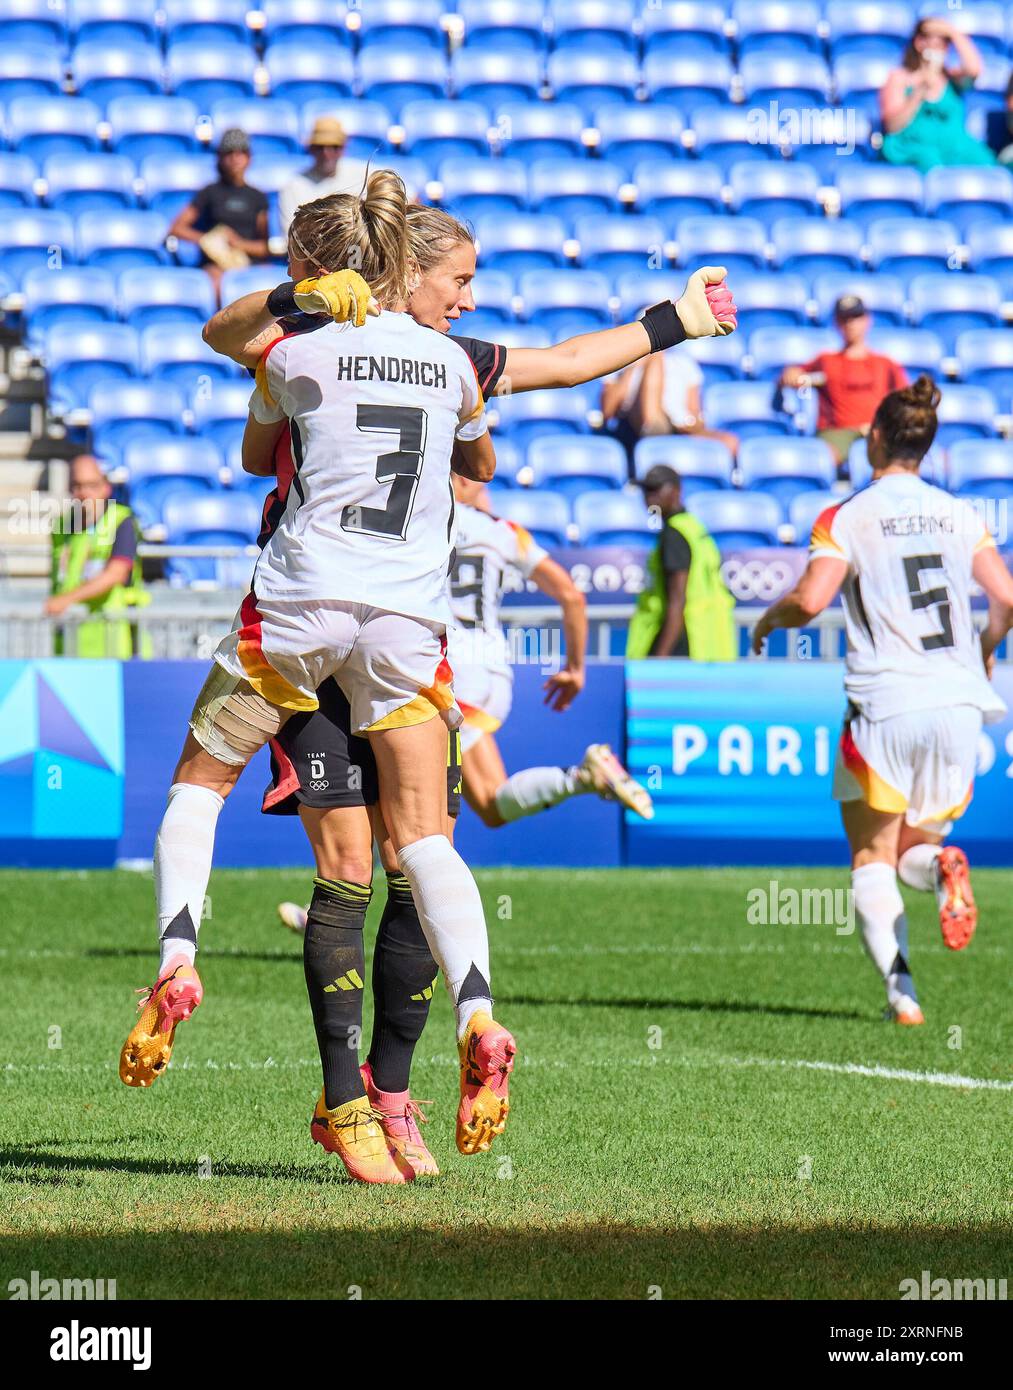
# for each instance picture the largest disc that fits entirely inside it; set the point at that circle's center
(485, 695)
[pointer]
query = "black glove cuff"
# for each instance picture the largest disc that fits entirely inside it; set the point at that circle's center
(664, 326)
(281, 300)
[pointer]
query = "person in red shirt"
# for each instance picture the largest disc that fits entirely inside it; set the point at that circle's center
(851, 383)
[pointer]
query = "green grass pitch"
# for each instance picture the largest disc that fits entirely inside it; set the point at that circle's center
(669, 1136)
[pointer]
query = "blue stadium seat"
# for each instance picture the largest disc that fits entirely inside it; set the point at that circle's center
(766, 301)
(639, 289)
(570, 189)
(366, 124)
(616, 243)
(601, 25)
(314, 23)
(178, 353)
(400, 24)
(17, 175)
(123, 411)
(545, 514)
(986, 359)
(210, 21)
(511, 466)
(27, 238)
(809, 246)
(738, 243)
(566, 302)
(157, 467)
(674, 26)
(492, 326)
(966, 412)
(145, 126)
(435, 130)
(473, 186)
(933, 465)
(683, 188)
(398, 76)
(614, 519)
(301, 73)
(515, 335)
(829, 139)
(773, 349)
(172, 294)
(784, 468)
(858, 79)
(503, 24)
(630, 135)
(720, 359)
(31, 22)
(236, 283)
(884, 190)
(970, 197)
(220, 409)
(693, 81)
(916, 349)
(525, 415)
(29, 71)
(951, 304)
(73, 295)
(985, 22)
(770, 190)
(224, 518)
(113, 21)
(869, 28)
(591, 78)
(102, 73)
(703, 464)
(789, 80)
(493, 291)
(990, 250)
(272, 125)
(496, 77)
(78, 183)
(975, 465)
(206, 74)
(170, 181)
(121, 240)
(773, 27)
(744, 407)
(572, 464)
(78, 356)
(44, 126)
(727, 137)
(883, 295)
(524, 242)
(910, 246)
(551, 130)
(804, 509)
(738, 520)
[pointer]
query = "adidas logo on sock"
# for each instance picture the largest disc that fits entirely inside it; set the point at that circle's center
(351, 980)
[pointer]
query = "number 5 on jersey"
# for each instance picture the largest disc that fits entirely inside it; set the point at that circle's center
(400, 468)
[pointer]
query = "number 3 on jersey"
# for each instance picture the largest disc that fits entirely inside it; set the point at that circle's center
(400, 468)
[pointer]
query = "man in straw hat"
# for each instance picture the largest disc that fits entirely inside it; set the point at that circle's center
(329, 173)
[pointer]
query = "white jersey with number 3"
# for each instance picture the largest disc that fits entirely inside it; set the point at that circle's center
(485, 548)
(907, 597)
(374, 414)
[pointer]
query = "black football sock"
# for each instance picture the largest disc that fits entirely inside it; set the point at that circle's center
(334, 962)
(404, 973)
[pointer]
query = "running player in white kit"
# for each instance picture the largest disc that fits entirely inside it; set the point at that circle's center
(905, 553)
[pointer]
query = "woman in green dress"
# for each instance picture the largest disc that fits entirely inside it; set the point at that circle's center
(921, 103)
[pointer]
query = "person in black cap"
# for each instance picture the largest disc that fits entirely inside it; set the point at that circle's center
(851, 383)
(685, 608)
(227, 219)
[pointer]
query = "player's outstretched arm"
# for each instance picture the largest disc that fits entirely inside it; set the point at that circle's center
(563, 688)
(706, 309)
(243, 330)
(817, 587)
(990, 572)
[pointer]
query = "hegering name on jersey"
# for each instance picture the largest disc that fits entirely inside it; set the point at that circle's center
(406, 370)
(915, 525)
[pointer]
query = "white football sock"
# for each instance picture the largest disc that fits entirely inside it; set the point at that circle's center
(453, 920)
(880, 908)
(183, 850)
(536, 789)
(917, 868)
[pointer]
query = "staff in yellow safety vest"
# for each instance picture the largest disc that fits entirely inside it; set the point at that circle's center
(94, 562)
(685, 608)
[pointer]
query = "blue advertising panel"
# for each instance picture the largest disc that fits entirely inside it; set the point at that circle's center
(739, 760)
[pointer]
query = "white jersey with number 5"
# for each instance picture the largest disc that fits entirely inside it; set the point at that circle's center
(374, 414)
(907, 597)
(485, 548)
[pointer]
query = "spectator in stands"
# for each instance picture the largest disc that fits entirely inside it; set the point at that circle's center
(685, 608)
(329, 173)
(94, 562)
(660, 396)
(851, 383)
(921, 104)
(227, 219)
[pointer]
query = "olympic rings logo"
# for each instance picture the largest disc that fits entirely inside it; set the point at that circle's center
(765, 580)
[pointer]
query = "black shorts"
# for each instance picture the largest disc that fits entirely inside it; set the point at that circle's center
(316, 760)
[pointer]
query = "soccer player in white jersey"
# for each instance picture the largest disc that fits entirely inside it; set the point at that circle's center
(905, 553)
(486, 548)
(351, 584)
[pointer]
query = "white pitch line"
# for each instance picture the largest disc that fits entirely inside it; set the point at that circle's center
(926, 1078)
